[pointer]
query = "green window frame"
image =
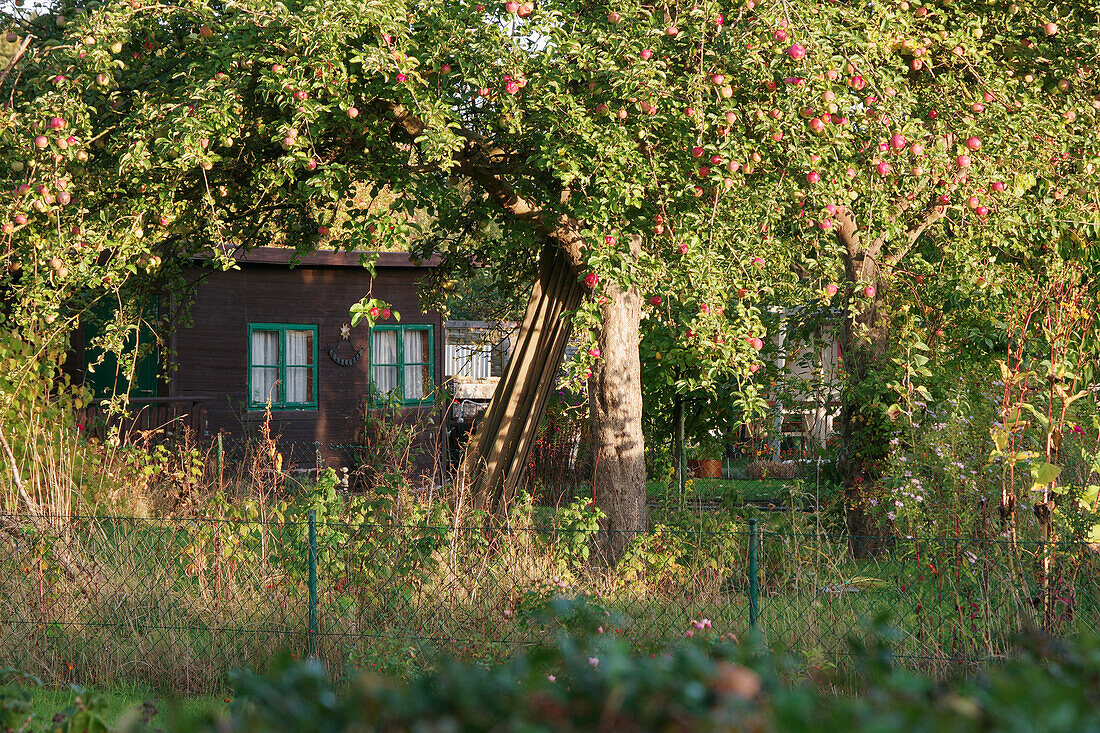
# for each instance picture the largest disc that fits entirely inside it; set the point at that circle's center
(397, 371)
(276, 367)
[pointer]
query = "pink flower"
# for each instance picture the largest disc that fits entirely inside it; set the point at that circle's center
(594, 352)
(594, 661)
(591, 279)
(80, 427)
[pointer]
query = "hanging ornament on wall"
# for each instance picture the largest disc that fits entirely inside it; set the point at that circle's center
(333, 351)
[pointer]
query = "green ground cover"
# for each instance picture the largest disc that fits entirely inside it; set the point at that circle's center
(122, 704)
(737, 491)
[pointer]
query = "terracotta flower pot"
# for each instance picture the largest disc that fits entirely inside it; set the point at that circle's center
(706, 467)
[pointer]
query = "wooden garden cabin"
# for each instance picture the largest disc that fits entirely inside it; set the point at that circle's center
(277, 332)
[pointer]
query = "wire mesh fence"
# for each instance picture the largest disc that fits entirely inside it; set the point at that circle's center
(179, 602)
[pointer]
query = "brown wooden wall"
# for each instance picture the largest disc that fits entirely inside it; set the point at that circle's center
(212, 355)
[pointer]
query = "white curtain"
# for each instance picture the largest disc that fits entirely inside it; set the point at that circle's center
(299, 367)
(265, 366)
(384, 358)
(416, 367)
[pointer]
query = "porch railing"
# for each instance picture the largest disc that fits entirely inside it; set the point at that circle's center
(146, 417)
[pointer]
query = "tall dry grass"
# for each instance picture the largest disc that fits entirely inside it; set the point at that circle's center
(408, 578)
(180, 602)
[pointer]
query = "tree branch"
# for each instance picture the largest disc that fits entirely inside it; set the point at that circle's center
(933, 213)
(14, 60)
(475, 162)
(848, 233)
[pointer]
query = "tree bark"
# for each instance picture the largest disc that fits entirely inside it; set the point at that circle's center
(863, 429)
(615, 404)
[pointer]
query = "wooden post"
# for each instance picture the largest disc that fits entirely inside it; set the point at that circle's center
(497, 456)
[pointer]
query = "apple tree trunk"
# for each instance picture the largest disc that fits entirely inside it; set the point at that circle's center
(615, 404)
(864, 426)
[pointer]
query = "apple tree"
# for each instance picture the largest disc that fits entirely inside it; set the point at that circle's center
(139, 135)
(915, 142)
(666, 150)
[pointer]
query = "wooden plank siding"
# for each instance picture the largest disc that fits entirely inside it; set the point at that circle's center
(211, 356)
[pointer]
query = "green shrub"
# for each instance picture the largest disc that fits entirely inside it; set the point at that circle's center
(590, 681)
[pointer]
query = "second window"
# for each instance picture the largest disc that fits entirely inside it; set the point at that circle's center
(401, 362)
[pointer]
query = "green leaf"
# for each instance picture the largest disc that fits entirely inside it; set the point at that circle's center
(1044, 474)
(1038, 415)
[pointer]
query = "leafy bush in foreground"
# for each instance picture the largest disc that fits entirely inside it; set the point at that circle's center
(594, 683)
(590, 681)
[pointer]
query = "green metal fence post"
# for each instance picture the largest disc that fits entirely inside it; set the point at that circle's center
(681, 462)
(312, 582)
(221, 462)
(754, 586)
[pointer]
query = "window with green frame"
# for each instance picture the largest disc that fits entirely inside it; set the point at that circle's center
(402, 363)
(282, 366)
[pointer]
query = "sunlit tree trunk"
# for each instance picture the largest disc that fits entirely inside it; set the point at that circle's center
(615, 403)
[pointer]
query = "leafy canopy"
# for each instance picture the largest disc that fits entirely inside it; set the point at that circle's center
(747, 148)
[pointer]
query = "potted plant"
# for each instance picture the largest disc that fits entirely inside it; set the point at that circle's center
(706, 457)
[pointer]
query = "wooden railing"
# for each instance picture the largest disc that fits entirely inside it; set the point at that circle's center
(146, 418)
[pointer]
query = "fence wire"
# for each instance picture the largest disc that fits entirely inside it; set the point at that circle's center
(179, 602)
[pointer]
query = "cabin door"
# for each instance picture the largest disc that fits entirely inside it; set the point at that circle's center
(104, 372)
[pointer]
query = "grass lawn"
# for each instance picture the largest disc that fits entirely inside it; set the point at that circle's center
(121, 703)
(733, 491)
